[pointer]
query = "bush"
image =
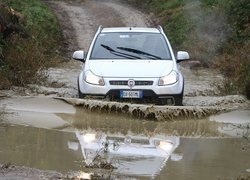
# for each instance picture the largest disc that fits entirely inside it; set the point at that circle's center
(234, 61)
(178, 32)
(234, 64)
(23, 61)
(213, 31)
(238, 16)
(39, 21)
(29, 37)
(173, 19)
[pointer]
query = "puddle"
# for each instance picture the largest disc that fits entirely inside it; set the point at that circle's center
(156, 156)
(234, 117)
(49, 113)
(35, 112)
(50, 134)
(235, 123)
(36, 104)
(209, 159)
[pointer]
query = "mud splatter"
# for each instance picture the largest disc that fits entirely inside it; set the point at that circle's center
(149, 112)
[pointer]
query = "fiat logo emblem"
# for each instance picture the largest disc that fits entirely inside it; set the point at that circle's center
(131, 83)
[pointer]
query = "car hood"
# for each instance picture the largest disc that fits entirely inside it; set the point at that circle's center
(131, 68)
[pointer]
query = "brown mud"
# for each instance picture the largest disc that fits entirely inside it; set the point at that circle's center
(149, 112)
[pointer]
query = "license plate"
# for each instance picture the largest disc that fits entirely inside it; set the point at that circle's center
(131, 94)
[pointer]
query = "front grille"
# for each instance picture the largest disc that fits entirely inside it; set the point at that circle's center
(137, 83)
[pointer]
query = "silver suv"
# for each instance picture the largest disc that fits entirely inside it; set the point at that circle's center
(131, 63)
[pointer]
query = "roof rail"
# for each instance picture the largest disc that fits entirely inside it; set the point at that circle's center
(160, 28)
(100, 28)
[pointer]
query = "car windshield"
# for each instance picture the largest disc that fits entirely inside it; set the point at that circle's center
(130, 45)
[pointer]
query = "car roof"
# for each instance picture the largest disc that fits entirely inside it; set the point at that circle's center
(130, 29)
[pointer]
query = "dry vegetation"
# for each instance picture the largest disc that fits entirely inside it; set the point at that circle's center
(215, 32)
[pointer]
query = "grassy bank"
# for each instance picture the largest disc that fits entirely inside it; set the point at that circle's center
(29, 37)
(215, 32)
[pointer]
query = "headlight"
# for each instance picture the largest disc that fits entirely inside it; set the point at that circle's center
(93, 79)
(172, 78)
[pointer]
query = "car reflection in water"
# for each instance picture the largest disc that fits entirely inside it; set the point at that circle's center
(130, 155)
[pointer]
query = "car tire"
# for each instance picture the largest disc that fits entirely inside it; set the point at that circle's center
(80, 94)
(160, 102)
(179, 98)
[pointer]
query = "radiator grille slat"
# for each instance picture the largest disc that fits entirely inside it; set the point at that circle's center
(137, 83)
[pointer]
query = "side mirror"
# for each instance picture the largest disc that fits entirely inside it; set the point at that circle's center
(182, 56)
(79, 56)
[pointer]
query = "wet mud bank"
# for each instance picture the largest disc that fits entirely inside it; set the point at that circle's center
(148, 112)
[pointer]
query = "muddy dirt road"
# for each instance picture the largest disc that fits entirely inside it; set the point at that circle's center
(48, 128)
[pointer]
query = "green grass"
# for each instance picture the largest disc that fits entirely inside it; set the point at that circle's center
(172, 18)
(22, 58)
(162, 5)
(178, 32)
(39, 20)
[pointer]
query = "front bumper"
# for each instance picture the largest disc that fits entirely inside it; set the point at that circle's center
(149, 86)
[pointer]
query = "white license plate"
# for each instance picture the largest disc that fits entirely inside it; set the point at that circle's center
(131, 94)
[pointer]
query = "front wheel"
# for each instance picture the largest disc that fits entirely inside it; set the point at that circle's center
(80, 94)
(178, 100)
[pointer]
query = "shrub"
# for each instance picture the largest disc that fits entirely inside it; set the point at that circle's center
(238, 16)
(213, 31)
(172, 17)
(39, 21)
(178, 32)
(234, 64)
(23, 61)
(28, 47)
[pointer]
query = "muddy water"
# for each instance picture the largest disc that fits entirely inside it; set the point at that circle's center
(236, 123)
(54, 135)
(194, 158)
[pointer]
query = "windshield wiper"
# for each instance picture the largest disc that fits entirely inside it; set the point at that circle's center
(151, 56)
(117, 53)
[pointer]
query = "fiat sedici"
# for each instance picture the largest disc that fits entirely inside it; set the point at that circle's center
(131, 63)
